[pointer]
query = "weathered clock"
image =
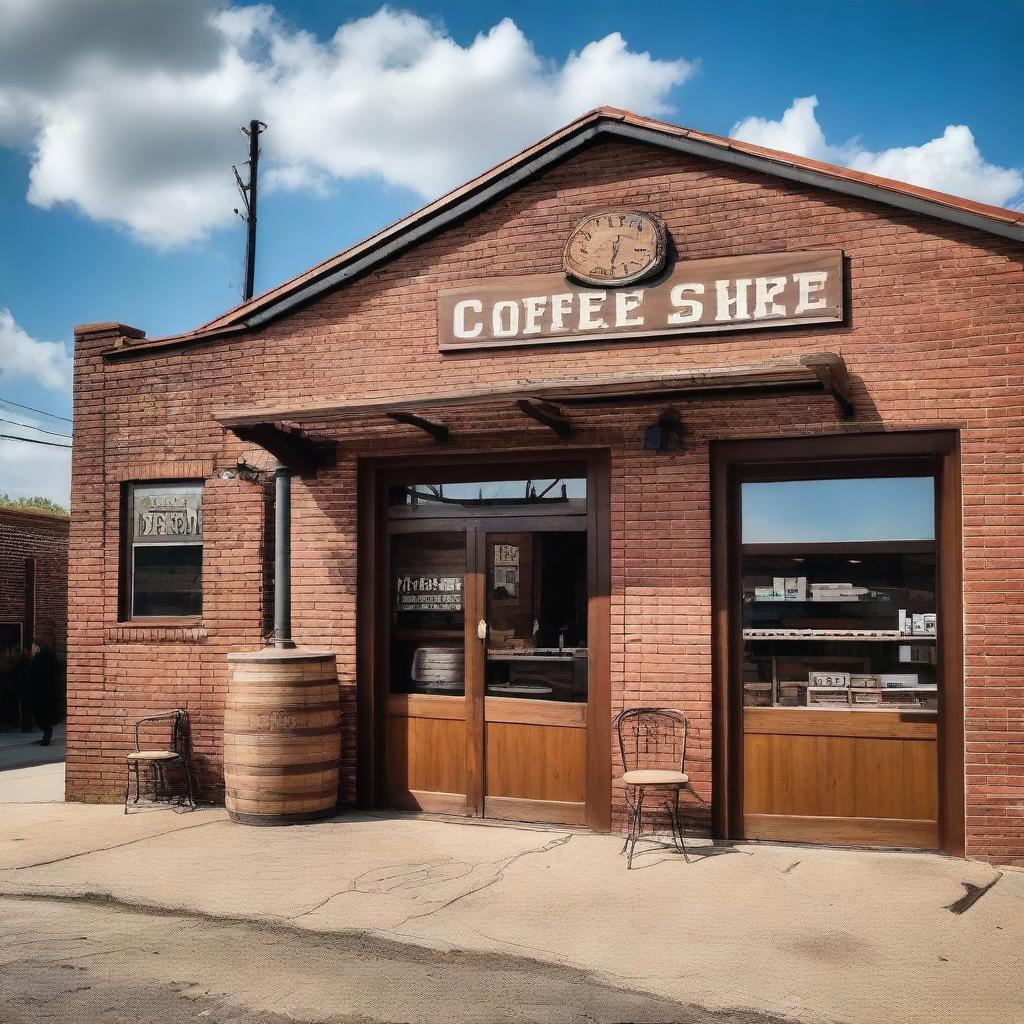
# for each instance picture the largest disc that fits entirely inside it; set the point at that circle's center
(615, 247)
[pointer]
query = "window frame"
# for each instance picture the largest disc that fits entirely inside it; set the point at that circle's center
(809, 457)
(126, 589)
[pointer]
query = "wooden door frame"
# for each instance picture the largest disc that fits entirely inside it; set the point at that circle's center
(817, 457)
(374, 476)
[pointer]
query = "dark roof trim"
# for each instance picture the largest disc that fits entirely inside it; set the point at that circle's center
(637, 133)
(807, 176)
(425, 228)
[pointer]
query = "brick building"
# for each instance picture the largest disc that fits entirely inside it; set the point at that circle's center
(33, 579)
(771, 477)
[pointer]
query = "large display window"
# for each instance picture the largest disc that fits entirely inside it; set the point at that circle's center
(838, 640)
(839, 593)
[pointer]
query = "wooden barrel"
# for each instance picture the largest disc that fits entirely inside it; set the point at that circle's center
(282, 737)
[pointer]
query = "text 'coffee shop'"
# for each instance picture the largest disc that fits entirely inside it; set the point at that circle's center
(639, 418)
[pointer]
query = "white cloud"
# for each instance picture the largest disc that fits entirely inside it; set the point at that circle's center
(950, 163)
(131, 111)
(34, 470)
(23, 358)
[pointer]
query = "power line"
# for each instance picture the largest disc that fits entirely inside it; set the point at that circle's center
(33, 440)
(42, 412)
(31, 426)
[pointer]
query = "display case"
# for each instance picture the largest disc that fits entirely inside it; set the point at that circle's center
(842, 626)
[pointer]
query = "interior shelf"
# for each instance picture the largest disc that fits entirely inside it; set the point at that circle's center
(869, 635)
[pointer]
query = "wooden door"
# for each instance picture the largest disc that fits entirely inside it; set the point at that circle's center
(534, 663)
(488, 670)
(487, 600)
(427, 754)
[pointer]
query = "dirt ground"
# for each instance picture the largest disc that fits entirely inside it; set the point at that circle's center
(81, 963)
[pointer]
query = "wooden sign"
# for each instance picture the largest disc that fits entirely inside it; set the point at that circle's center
(725, 294)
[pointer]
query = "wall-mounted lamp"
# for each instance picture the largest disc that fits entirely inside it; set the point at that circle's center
(243, 471)
(665, 434)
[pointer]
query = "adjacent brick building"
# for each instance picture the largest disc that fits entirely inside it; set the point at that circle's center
(34, 577)
(930, 345)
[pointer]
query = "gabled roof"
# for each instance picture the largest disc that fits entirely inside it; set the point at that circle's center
(602, 122)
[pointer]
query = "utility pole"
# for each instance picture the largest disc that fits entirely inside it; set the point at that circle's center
(249, 198)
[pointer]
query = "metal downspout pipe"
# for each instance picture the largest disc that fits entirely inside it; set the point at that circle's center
(283, 557)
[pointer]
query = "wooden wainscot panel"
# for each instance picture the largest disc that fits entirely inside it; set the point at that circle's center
(426, 705)
(536, 762)
(428, 803)
(426, 754)
(920, 725)
(895, 832)
(840, 776)
(723, 294)
(535, 712)
(553, 812)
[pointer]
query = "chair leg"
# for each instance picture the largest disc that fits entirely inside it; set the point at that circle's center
(127, 785)
(630, 821)
(677, 827)
(192, 787)
(138, 784)
(638, 827)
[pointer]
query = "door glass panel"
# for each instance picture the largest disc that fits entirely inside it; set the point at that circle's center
(562, 495)
(428, 574)
(536, 586)
(839, 594)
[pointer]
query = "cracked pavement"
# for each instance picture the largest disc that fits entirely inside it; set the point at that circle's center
(812, 935)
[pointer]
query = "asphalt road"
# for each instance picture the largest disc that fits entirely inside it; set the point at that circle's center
(92, 963)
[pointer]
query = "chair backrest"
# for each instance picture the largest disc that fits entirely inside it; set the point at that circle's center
(652, 738)
(170, 726)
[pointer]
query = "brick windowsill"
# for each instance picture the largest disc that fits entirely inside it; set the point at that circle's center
(158, 631)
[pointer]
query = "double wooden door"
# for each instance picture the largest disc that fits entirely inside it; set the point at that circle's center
(487, 667)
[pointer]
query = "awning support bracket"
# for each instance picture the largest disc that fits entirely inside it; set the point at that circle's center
(831, 371)
(291, 448)
(438, 431)
(548, 414)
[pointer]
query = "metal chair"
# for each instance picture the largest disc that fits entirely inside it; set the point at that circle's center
(176, 754)
(652, 745)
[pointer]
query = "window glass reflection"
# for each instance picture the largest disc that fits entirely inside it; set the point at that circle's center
(569, 493)
(823, 511)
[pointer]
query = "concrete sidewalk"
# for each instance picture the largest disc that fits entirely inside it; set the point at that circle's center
(23, 749)
(812, 934)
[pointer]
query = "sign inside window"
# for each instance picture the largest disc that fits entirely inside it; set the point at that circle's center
(422, 592)
(168, 514)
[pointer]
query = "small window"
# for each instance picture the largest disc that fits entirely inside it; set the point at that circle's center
(165, 563)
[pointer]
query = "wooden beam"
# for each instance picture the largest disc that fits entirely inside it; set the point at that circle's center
(786, 373)
(438, 431)
(290, 447)
(831, 371)
(548, 414)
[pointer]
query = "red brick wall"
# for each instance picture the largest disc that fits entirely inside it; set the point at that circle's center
(43, 537)
(933, 339)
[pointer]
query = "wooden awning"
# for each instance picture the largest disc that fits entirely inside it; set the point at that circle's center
(542, 398)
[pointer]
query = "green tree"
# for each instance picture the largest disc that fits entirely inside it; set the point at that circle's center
(6, 501)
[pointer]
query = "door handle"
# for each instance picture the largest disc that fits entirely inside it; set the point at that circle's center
(481, 629)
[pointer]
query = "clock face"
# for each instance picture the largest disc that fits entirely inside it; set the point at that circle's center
(617, 247)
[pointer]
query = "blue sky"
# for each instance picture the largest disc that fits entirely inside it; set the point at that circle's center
(115, 196)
